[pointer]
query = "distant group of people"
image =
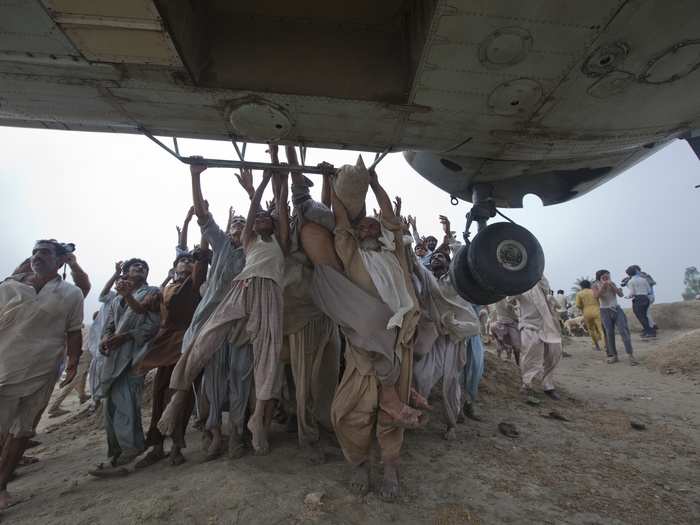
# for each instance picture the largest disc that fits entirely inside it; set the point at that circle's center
(599, 308)
(598, 303)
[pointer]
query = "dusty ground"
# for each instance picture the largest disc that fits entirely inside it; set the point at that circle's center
(592, 469)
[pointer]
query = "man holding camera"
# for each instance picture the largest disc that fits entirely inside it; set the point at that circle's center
(41, 316)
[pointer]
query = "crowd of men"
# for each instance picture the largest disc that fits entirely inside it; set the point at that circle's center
(341, 320)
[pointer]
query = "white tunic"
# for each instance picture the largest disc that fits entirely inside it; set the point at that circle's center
(33, 328)
(264, 259)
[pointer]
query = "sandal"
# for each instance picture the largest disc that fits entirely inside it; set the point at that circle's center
(508, 430)
(108, 471)
(127, 457)
(149, 459)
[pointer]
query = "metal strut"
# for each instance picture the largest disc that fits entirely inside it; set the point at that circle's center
(226, 163)
(483, 208)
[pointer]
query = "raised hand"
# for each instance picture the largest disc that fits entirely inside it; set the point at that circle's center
(412, 221)
(245, 179)
(397, 206)
(445, 225)
(327, 169)
(196, 169)
(267, 175)
(124, 287)
(118, 267)
(190, 214)
(373, 179)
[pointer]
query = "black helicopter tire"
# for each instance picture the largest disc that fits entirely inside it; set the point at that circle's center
(506, 259)
(465, 284)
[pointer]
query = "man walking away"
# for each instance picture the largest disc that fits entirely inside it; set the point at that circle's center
(640, 292)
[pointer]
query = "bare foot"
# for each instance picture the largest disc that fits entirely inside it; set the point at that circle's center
(451, 434)
(390, 483)
(359, 480)
(206, 440)
(236, 448)
(215, 448)
(314, 454)
(5, 500)
(176, 457)
(259, 436)
(470, 411)
(401, 414)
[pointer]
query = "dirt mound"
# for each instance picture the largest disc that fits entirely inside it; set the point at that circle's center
(681, 354)
(683, 315)
(501, 378)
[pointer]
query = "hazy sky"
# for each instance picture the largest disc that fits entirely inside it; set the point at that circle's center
(120, 196)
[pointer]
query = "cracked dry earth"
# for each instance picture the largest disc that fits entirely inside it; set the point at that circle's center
(592, 469)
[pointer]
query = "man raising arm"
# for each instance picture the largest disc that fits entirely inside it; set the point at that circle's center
(47, 315)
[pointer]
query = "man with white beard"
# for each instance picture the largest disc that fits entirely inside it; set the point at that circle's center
(374, 305)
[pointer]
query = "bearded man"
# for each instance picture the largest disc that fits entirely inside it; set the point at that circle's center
(374, 304)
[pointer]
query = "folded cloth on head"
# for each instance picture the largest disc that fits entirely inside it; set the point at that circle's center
(350, 185)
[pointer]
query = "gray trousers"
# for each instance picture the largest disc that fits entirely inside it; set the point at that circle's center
(227, 384)
(123, 415)
(615, 317)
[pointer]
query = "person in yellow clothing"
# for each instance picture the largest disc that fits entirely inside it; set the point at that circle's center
(588, 304)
